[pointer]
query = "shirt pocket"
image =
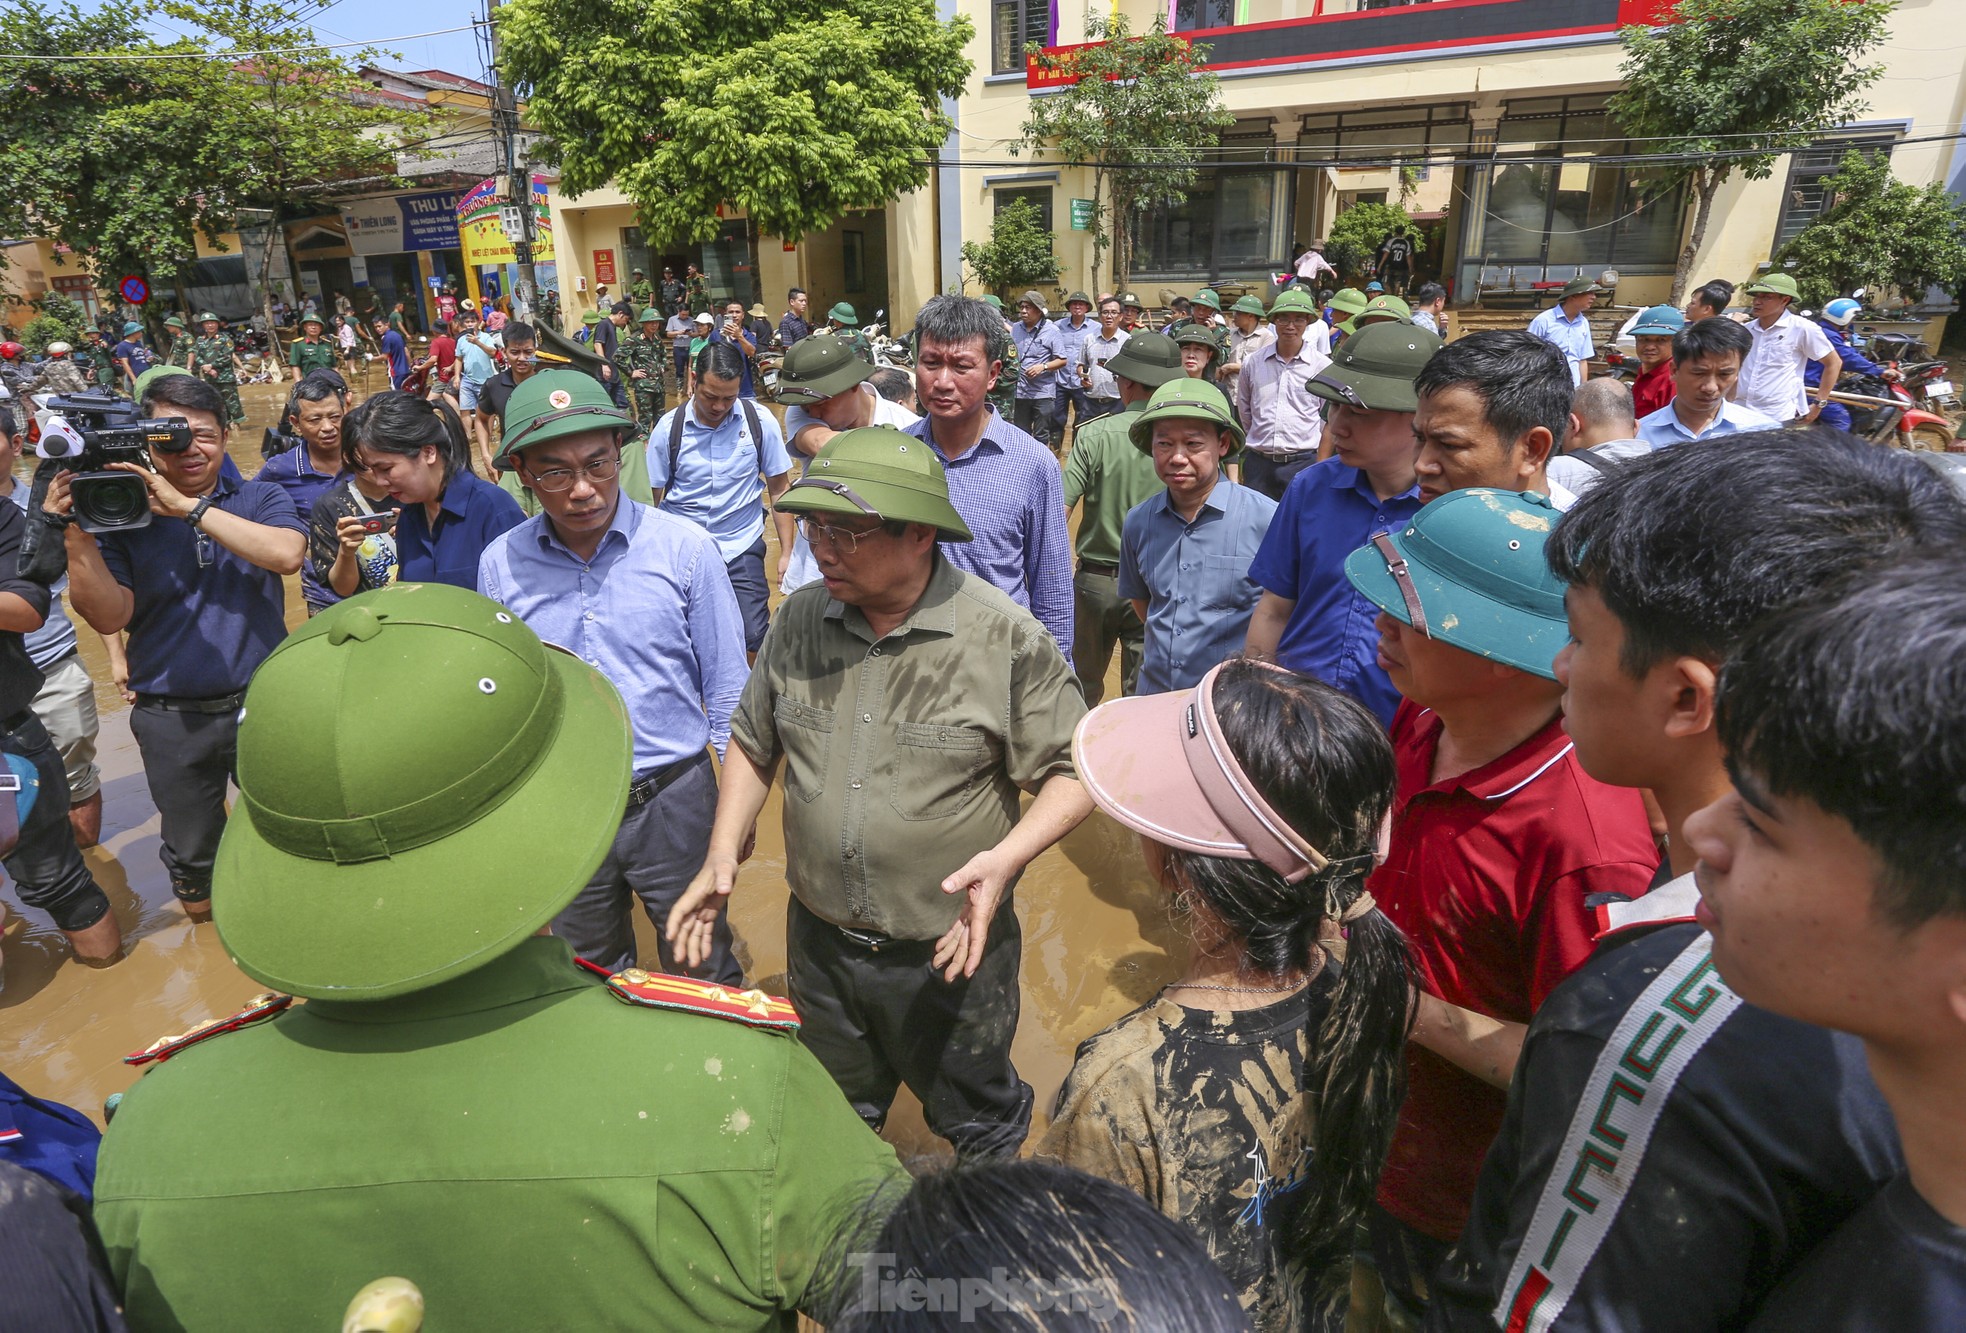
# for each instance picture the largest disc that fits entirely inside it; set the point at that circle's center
(938, 768)
(1226, 583)
(805, 734)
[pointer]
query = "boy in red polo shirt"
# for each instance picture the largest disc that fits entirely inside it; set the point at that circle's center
(1500, 841)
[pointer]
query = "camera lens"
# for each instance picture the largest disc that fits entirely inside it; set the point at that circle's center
(110, 502)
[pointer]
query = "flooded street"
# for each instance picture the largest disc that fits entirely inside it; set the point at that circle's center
(1097, 939)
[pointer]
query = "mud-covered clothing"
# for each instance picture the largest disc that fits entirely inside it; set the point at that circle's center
(1202, 1113)
(1898, 1264)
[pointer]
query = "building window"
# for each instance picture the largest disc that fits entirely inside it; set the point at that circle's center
(1015, 24)
(1038, 196)
(1191, 15)
(1393, 136)
(1235, 223)
(1805, 200)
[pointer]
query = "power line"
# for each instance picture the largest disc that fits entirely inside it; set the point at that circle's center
(232, 55)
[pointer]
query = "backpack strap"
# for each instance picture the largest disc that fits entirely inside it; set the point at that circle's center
(757, 433)
(676, 438)
(1590, 458)
(675, 444)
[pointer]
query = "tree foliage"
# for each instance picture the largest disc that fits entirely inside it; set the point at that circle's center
(1879, 233)
(1732, 85)
(57, 319)
(1144, 109)
(1018, 253)
(794, 110)
(1354, 240)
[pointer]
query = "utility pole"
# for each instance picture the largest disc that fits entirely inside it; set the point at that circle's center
(518, 179)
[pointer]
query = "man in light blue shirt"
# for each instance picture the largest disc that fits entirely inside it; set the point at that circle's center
(1707, 356)
(1185, 554)
(642, 597)
(1070, 390)
(1040, 356)
(475, 349)
(714, 465)
(1566, 326)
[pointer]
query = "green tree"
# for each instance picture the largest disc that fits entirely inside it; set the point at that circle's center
(1018, 253)
(58, 319)
(793, 110)
(1879, 233)
(1356, 235)
(1142, 109)
(1732, 85)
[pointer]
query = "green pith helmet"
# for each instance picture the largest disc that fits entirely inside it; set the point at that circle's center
(877, 472)
(818, 367)
(175, 322)
(1129, 301)
(356, 871)
(151, 376)
(1207, 297)
(1380, 309)
(1473, 562)
(310, 317)
(1348, 301)
(1184, 399)
(1294, 302)
(552, 404)
(994, 301)
(1199, 334)
(1376, 367)
(649, 315)
(1776, 284)
(844, 314)
(1080, 298)
(1149, 360)
(131, 329)
(209, 318)
(1580, 286)
(591, 318)
(1248, 305)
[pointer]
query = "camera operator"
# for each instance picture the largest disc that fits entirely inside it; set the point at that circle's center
(46, 867)
(199, 591)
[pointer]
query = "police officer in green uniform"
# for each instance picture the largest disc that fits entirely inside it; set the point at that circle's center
(310, 351)
(843, 322)
(180, 351)
(458, 1103)
(696, 289)
(103, 364)
(639, 361)
(214, 357)
(640, 291)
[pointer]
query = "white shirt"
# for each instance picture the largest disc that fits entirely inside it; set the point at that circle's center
(1099, 381)
(1572, 337)
(1578, 477)
(802, 569)
(1771, 376)
(1280, 414)
(1312, 263)
(1318, 338)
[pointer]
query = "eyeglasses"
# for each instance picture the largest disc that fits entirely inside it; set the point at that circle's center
(561, 478)
(846, 540)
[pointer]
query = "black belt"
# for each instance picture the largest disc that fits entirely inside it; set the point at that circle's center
(873, 941)
(1099, 567)
(172, 703)
(647, 789)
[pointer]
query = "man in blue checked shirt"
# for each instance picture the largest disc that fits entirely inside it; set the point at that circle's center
(1072, 331)
(642, 596)
(1040, 356)
(1005, 484)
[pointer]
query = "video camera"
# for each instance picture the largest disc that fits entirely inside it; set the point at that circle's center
(84, 434)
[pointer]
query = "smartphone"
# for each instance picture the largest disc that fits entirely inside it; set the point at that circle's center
(373, 523)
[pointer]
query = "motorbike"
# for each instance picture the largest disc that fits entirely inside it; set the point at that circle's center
(1885, 413)
(1926, 378)
(887, 351)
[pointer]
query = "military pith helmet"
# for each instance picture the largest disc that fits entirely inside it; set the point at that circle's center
(649, 315)
(591, 318)
(1129, 299)
(357, 871)
(1149, 360)
(208, 317)
(1199, 334)
(151, 376)
(1078, 298)
(640, 272)
(312, 317)
(818, 367)
(994, 301)
(1206, 296)
(1381, 309)
(1294, 302)
(553, 404)
(1376, 368)
(1183, 399)
(132, 328)
(1661, 321)
(1775, 284)
(1248, 305)
(1580, 286)
(1472, 572)
(877, 472)
(844, 314)
(174, 322)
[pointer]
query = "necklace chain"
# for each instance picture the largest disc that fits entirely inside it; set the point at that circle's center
(1239, 990)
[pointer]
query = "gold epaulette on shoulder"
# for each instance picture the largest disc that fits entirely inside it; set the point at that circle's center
(259, 1010)
(659, 990)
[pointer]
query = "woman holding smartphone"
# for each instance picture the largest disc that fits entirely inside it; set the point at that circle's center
(352, 541)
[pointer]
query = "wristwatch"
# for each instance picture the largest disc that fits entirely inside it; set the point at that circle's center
(197, 514)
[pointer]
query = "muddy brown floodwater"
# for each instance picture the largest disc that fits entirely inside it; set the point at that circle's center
(1097, 937)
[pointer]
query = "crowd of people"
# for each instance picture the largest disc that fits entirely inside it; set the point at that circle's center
(1552, 778)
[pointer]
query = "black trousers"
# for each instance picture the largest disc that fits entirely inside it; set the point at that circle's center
(188, 757)
(1033, 417)
(881, 1017)
(1272, 476)
(1406, 1260)
(49, 873)
(656, 852)
(52, 1266)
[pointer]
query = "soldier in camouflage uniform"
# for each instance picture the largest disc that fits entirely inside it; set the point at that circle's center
(638, 361)
(61, 374)
(1003, 393)
(216, 358)
(179, 352)
(641, 294)
(696, 289)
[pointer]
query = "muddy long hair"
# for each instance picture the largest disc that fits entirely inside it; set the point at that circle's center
(1323, 763)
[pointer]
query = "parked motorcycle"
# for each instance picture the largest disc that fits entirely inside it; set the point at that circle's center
(1885, 413)
(887, 351)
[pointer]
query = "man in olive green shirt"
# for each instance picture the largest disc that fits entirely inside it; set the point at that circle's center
(458, 1103)
(909, 702)
(1109, 476)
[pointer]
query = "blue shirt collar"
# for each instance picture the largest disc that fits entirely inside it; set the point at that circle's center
(621, 528)
(994, 426)
(1217, 499)
(1346, 477)
(456, 499)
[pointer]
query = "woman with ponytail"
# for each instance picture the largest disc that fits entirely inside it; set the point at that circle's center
(417, 451)
(1254, 1097)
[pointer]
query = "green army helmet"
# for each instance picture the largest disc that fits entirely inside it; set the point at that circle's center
(131, 328)
(1130, 301)
(877, 472)
(1149, 360)
(1078, 298)
(649, 315)
(1376, 367)
(174, 322)
(1200, 335)
(1207, 297)
(553, 404)
(208, 317)
(817, 367)
(1348, 301)
(151, 376)
(1772, 284)
(306, 318)
(1248, 305)
(1184, 399)
(591, 318)
(1294, 302)
(354, 870)
(994, 301)
(1470, 570)
(1583, 286)
(844, 314)
(1381, 309)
